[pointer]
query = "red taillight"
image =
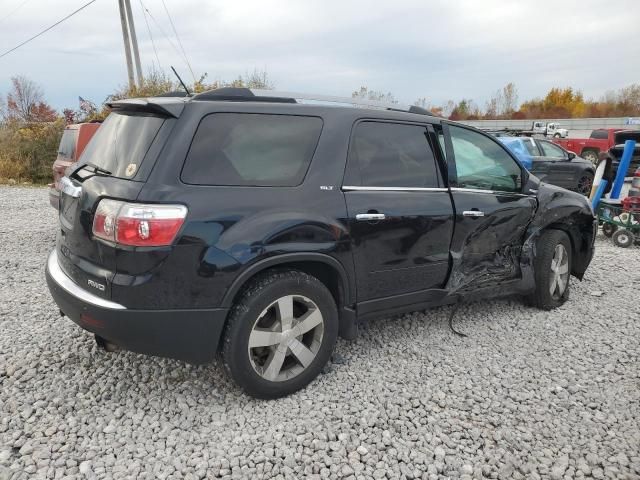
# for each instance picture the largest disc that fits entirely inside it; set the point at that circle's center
(137, 224)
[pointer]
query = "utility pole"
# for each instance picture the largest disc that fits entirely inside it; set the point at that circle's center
(127, 45)
(134, 42)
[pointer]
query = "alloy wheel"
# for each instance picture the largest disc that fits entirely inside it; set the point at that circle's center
(584, 185)
(559, 272)
(286, 338)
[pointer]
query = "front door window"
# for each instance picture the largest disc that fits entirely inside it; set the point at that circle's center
(482, 163)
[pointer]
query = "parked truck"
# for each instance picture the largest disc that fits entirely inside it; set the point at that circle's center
(551, 129)
(600, 140)
(73, 142)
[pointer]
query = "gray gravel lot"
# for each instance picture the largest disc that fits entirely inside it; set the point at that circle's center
(528, 394)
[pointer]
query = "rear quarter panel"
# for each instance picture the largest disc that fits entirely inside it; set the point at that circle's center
(230, 229)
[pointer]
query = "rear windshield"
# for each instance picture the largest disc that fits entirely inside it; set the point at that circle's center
(251, 149)
(67, 148)
(121, 142)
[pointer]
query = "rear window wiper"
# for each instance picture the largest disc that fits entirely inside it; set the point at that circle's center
(96, 168)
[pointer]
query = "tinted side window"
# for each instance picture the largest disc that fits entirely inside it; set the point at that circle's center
(67, 148)
(251, 149)
(600, 134)
(550, 150)
(391, 155)
(482, 163)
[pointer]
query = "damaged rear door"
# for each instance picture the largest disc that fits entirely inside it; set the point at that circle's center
(491, 211)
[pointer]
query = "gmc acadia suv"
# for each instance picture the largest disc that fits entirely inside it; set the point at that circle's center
(261, 226)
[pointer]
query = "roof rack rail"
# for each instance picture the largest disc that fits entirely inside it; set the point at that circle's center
(257, 95)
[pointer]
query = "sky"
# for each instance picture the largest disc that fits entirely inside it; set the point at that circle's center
(438, 49)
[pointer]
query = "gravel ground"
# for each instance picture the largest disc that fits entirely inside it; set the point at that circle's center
(528, 394)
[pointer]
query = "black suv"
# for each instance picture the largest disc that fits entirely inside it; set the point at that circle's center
(261, 226)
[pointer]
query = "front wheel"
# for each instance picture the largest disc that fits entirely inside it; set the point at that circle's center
(557, 135)
(280, 333)
(623, 238)
(552, 269)
(585, 183)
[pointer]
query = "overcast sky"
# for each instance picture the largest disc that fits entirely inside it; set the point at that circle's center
(438, 49)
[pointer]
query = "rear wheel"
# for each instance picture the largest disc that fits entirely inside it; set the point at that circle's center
(556, 135)
(585, 183)
(552, 269)
(609, 229)
(590, 155)
(623, 238)
(281, 332)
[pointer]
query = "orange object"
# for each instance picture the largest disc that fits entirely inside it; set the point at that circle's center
(73, 142)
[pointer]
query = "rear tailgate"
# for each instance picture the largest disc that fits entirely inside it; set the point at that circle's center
(114, 165)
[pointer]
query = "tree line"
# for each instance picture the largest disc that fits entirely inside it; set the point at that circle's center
(559, 102)
(30, 128)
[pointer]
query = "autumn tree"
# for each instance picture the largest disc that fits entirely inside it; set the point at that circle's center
(25, 102)
(465, 109)
(366, 94)
(503, 103)
(509, 99)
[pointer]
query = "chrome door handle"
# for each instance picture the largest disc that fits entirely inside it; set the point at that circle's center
(367, 217)
(472, 213)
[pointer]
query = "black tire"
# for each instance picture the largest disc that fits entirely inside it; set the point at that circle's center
(623, 238)
(608, 229)
(542, 264)
(260, 296)
(591, 155)
(557, 135)
(585, 183)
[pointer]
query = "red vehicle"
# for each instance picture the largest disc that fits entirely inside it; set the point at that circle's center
(601, 140)
(73, 142)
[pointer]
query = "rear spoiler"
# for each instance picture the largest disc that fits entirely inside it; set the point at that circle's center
(164, 106)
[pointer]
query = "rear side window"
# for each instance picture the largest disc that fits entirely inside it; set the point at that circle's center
(121, 143)
(246, 149)
(391, 155)
(67, 148)
(600, 134)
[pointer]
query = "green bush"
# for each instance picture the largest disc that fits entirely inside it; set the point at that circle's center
(28, 150)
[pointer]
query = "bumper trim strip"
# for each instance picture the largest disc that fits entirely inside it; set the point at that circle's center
(73, 288)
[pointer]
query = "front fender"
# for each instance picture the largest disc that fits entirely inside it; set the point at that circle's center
(564, 210)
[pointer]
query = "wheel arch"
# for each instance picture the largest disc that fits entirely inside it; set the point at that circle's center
(324, 267)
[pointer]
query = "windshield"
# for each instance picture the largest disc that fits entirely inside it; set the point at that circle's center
(67, 148)
(121, 142)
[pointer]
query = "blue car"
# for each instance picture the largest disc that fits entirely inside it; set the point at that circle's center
(520, 147)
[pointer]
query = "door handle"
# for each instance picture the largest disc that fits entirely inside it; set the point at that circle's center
(368, 217)
(473, 213)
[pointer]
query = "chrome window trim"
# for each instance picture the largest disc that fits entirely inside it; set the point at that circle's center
(493, 192)
(71, 287)
(350, 188)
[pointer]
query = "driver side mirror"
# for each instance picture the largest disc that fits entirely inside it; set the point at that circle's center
(571, 155)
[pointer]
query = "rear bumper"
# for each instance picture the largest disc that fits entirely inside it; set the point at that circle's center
(189, 335)
(54, 197)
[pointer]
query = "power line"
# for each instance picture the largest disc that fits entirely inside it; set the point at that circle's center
(14, 10)
(153, 43)
(47, 29)
(164, 34)
(179, 41)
